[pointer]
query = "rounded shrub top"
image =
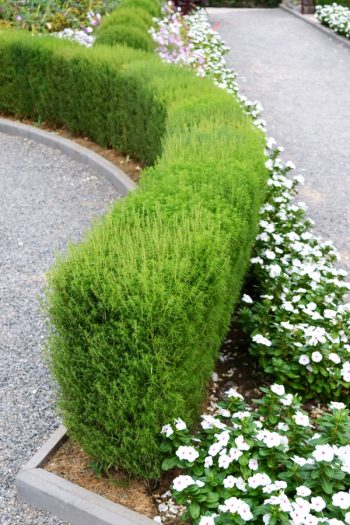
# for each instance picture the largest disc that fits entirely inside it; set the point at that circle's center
(134, 37)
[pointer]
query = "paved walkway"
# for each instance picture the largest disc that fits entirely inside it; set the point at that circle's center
(302, 78)
(46, 200)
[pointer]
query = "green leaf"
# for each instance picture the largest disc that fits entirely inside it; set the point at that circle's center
(195, 510)
(169, 463)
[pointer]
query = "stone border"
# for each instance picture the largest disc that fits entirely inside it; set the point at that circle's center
(315, 23)
(64, 499)
(75, 151)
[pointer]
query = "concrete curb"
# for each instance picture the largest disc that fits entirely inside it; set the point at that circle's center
(64, 499)
(317, 25)
(103, 167)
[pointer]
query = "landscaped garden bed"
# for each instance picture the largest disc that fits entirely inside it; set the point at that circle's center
(140, 308)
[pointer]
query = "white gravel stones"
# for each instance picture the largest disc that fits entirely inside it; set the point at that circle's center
(45, 200)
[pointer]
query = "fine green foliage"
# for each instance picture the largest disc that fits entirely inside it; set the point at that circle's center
(153, 7)
(139, 308)
(345, 3)
(244, 3)
(135, 37)
(129, 25)
(129, 16)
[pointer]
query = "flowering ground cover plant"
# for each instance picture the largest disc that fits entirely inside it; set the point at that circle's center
(54, 15)
(335, 16)
(272, 465)
(301, 333)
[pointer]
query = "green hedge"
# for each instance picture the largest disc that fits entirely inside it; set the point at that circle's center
(345, 3)
(244, 3)
(140, 308)
(129, 24)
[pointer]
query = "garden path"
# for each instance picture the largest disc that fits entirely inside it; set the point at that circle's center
(302, 77)
(46, 200)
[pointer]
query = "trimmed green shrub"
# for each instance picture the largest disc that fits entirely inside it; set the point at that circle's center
(129, 25)
(244, 3)
(153, 7)
(139, 308)
(134, 37)
(132, 17)
(345, 3)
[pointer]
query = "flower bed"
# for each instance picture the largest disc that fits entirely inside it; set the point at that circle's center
(273, 464)
(335, 16)
(42, 16)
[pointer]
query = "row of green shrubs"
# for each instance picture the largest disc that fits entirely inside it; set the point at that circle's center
(139, 308)
(129, 24)
(345, 3)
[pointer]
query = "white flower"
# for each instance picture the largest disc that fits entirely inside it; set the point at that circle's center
(167, 430)
(269, 254)
(253, 464)
(301, 419)
(329, 314)
(316, 334)
(223, 438)
(233, 393)
(274, 271)
(334, 358)
(247, 299)
(341, 499)
(208, 462)
(347, 517)
(259, 480)
(318, 504)
(336, 406)
(303, 491)
(310, 519)
(206, 520)
(287, 400)
(241, 415)
(199, 483)
(231, 482)
(271, 143)
(179, 424)
(223, 412)
(187, 453)
(283, 426)
(323, 453)
(289, 164)
(235, 454)
(316, 357)
(278, 389)
(261, 340)
(281, 500)
(182, 482)
(304, 360)
(224, 461)
(241, 443)
(214, 449)
(266, 519)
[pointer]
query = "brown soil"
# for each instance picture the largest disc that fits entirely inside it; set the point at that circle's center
(70, 462)
(130, 166)
(235, 368)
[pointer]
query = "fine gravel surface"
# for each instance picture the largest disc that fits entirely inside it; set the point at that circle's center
(46, 200)
(302, 77)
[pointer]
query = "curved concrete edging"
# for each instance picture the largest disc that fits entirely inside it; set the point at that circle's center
(75, 151)
(66, 500)
(317, 25)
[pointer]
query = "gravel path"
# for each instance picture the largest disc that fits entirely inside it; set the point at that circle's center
(45, 200)
(302, 77)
